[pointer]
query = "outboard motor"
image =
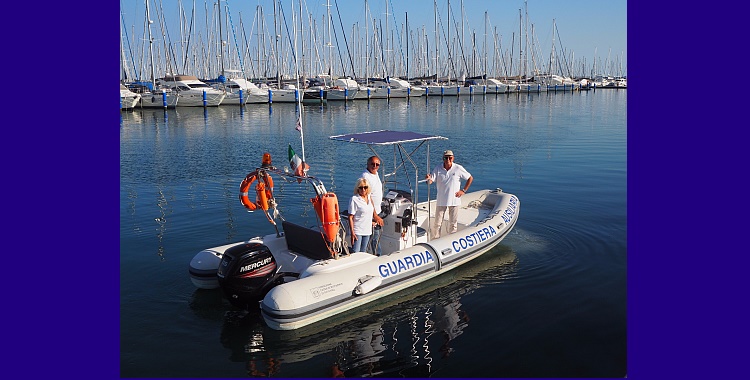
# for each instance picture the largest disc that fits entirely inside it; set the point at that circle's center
(246, 273)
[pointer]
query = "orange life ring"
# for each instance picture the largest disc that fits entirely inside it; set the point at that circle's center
(263, 190)
(327, 208)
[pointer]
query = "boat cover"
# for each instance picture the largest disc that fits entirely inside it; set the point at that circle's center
(385, 137)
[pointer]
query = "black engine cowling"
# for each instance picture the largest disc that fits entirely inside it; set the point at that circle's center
(246, 273)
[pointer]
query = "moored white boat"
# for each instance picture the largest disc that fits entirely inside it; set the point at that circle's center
(527, 87)
(191, 91)
(128, 99)
(240, 91)
(496, 86)
(301, 275)
(396, 88)
(153, 96)
(343, 89)
(373, 89)
(416, 91)
(621, 82)
(554, 82)
(288, 93)
(445, 89)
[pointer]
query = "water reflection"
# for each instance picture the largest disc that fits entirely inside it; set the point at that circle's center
(161, 221)
(407, 335)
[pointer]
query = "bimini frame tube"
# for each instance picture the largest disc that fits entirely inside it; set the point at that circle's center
(397, 138)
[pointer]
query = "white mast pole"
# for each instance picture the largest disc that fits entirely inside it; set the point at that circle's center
(299, 98)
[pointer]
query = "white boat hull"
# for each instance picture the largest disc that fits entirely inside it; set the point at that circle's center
(416, 91)
(283, 96)
(371, 93)
(443, 91)
(129, 101)
(158, 100)
(341, 94)
(234, 99)
(199, 99)
(330, 287)
(527, 87)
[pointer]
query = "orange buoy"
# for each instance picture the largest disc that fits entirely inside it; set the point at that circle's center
(327, 208)
(244, 187)
(260, 189)
(261, 200)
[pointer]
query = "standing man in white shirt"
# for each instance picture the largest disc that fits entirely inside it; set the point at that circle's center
(376, 186)
(448, 178)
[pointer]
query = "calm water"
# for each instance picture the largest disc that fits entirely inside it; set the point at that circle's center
(549, 301)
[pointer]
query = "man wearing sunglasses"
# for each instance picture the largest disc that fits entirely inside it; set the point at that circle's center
(448, 178)
(372, 177)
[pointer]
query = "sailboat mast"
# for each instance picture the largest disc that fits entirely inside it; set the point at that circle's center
(293, 46)
(553, 59)
(520, 50)
(526, 37)
(367, 46)
(484, 48)
(407, 45)
(221, 41)
(277, 35)
(150, 46)
(387, 54)
(436, 41)
(330, 43)
(301, 50)
(463, 40)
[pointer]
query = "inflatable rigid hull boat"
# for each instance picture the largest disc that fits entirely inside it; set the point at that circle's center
(301, 275)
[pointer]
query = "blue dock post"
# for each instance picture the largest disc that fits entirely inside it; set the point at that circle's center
(241, 98)
(164, 98)
(205, 103)
(270, 96)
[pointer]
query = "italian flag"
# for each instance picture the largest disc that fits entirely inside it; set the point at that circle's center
(296, 163)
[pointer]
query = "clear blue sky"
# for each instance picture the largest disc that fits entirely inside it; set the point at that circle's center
(586, 27)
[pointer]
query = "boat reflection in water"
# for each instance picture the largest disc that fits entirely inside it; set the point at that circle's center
(406, 336)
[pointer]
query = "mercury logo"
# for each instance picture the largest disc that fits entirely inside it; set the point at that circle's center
(255, 265)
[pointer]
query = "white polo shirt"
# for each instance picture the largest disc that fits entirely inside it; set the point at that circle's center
(448, 183)
(376, 188)
(362, 215)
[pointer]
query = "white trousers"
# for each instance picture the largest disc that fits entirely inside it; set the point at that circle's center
(452, 220)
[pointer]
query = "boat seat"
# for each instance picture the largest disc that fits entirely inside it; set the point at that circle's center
(305, 241)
